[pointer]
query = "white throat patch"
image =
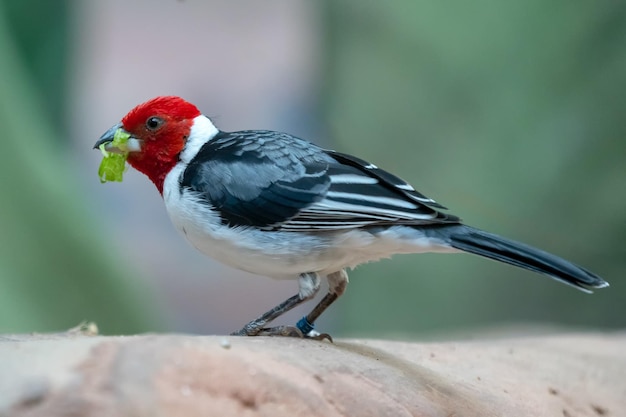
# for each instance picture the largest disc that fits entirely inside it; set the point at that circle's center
(201, 132)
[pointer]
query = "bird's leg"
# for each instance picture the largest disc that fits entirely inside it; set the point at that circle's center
(309, 286)
(337, 283)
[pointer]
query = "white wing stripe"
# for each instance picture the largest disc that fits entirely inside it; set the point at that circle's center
(352, 179)
(373, 199)
(405, 187)
(330, 206)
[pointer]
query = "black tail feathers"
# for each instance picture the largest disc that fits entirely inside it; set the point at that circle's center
(492, 246)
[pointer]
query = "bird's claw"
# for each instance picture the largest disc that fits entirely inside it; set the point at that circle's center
(319, 336)
(283, 331)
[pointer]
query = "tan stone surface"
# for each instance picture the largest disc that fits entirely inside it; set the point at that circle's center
(181, 375)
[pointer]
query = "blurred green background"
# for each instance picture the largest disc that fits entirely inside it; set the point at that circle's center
(512, 114)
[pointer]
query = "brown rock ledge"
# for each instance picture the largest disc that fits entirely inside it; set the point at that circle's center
(181, 375)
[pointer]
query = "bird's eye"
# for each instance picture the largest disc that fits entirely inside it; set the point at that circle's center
(153, 123)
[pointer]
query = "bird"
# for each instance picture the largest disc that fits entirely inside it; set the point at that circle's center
(277, 205)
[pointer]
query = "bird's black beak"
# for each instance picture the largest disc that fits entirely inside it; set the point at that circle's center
(107, 137)
(131, 145)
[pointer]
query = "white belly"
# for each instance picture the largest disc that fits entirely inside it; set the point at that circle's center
(280, 254)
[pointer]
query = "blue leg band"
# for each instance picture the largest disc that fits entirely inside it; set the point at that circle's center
(304, 326)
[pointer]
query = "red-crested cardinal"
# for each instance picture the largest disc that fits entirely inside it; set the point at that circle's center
(276, 205)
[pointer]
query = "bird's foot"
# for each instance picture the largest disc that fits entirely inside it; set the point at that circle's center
(257, 329)
(308, 330)
(253, 328)
(315, 335)
(282, 331)
(293, 331)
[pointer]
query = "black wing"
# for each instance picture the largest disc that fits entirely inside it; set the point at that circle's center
(276, 181)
